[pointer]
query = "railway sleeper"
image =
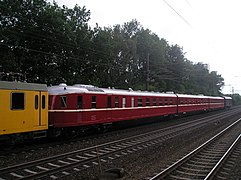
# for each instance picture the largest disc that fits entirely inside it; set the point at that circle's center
(205, 169)
(200, 174)
(199, 166)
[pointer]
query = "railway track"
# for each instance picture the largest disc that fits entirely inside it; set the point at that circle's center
(64, 164)
(43, 144)
(206, 161)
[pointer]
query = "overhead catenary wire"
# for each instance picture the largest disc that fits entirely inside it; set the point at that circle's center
(167, 76)
(179, 15)
(58, 42)
(51, 40)
(189, 24)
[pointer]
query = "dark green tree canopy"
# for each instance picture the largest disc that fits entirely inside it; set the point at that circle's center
(52, 44)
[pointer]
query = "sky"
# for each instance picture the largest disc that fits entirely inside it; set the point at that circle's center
(208, 31)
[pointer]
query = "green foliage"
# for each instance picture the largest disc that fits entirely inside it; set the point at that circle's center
(52, 44)
(236, 99)
(41, 40)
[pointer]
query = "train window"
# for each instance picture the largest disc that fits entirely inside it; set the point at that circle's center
(116, 102)
(123, 102)
(171, 101)
(17, 101)
(93, 103)
(79, 102)
(160, 102)
(154, 101)
(109, 102)
(132, 102)
(139, 102)
(43, 102)
(36, 102)
(165, 101)
(147, 101)
(63, 101)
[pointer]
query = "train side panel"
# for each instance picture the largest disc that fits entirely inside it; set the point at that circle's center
(228, 102)
(83, 105)
(192, 103)
(77, 107)
(216, 103)
(125, 109)
(22, 110)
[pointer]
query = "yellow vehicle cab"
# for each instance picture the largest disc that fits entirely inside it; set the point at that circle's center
(23, 110)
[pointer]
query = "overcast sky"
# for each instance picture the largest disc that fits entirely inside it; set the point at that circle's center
(208, 30)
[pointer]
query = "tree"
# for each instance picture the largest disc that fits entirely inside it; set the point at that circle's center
(41, 39)
(52, 44)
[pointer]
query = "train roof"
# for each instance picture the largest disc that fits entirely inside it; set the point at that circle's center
(64, 89)
(216, 97)
(8, 85)
(227, 97)
(191, 96)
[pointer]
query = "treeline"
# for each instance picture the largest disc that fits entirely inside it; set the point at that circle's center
(52, 44)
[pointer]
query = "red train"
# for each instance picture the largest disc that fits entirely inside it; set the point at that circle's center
(74, 108)
(29, 111)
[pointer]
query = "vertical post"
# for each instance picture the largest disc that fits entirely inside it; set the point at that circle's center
(98, 157)
(147, 72)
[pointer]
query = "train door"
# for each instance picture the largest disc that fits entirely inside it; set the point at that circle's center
(109, 106)
(79, 107)
(44, 109)
(40, 109)
(37, 109)
(178, 102)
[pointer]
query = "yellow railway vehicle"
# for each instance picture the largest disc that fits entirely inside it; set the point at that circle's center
(23, 111)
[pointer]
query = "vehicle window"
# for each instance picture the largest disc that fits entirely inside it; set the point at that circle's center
(147, 101)
(43, 102)
(17, 101)
(109, 102)
(36, 102)
(93, 103)
(160, 102)
(154, 101)
(123, 102)
(171, 101)
(132, 102)
(63, 101)
(116, 102)
(165, 101)
(79, 102)
(139, 102)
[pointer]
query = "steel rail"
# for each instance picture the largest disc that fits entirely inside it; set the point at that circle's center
(174, 166)
(135, 141)
(212, 173)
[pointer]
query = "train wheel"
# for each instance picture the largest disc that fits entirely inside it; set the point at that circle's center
(103, 128)
(71, 133)
(54, 133)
